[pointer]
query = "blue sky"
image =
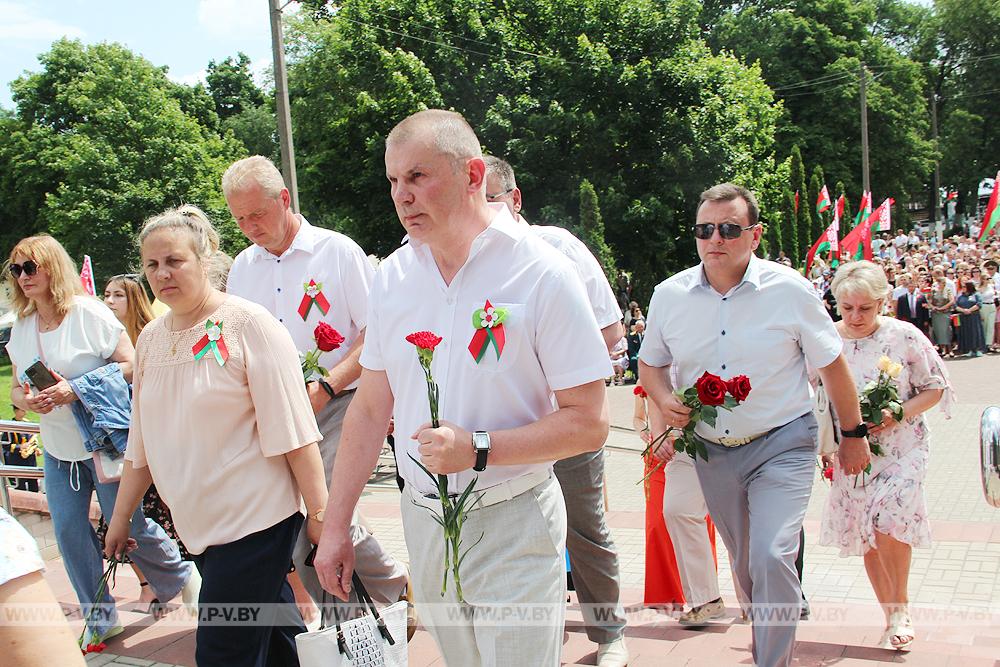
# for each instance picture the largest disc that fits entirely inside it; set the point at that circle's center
(181, 34)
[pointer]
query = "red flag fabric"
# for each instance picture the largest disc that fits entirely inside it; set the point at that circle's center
(87, 276)
(796, 201)
(992, 215)
(858, 242)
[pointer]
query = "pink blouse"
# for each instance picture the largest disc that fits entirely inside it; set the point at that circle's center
(214, 436)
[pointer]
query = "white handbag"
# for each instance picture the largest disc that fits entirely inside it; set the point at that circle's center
(827, 435)
(376, 639)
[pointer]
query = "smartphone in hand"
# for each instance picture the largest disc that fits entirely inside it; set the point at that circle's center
(40, 376)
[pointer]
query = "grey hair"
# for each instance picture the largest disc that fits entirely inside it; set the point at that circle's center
(862, 277)
(190, 219)
(452, 135)
(255, 170)
(501, 169)
(730, 192)
(218, 266)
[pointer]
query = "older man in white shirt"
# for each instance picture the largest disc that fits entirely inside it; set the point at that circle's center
(508, 414)
(592, 552)
(735, 314)
(304, 275)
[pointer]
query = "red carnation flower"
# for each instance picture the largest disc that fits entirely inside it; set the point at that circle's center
(639, 391)
(327, 338)
(711, 389)
(739, 387)
(425, 340)
(828, 472)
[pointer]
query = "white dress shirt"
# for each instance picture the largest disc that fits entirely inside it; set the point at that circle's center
(602, 298)
(552, 340)
(278, 284)
(766, 328)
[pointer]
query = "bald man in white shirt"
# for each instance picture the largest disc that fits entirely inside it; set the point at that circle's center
(592, 553)
(506, 415)
(735, 314)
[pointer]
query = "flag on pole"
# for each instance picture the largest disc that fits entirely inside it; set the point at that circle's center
(864, 208)
(858, 241)
(952, 196)
(823, 201)
(827, 242)
(884, 219)
(992, 215)
(87, 276)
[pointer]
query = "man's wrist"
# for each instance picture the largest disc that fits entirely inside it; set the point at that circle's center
(327, 388)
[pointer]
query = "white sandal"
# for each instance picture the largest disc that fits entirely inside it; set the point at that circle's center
(900, 633)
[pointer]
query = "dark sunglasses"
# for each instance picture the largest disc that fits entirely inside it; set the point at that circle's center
(28, 268)
(499, 195)
(727, 230)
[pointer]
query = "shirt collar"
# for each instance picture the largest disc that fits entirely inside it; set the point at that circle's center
(751, 275)
(305, 240)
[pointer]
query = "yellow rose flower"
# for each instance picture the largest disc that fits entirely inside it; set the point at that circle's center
(894, 369)
(883, 363)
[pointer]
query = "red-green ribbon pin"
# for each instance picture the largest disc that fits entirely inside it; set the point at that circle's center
(313, 295)
(488, 322)
(212, 340)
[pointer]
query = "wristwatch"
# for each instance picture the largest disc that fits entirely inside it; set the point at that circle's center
(859, 431)
(481, 445)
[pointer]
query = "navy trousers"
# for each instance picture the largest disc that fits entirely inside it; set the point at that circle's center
(246, 611)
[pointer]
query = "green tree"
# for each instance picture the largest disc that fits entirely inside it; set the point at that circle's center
(802, 214)
(624, 94)
(790, 229)
(772, 237)
(232, 86)
(99, 142)
(591, 229)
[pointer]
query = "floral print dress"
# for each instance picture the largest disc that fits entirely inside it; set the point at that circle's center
(889, 499)
(18, 551)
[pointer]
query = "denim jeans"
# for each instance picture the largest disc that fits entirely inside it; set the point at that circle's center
(68, 488)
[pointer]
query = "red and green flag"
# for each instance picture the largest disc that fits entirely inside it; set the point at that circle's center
(992, 216)
(864, 208)
(827, 243)
(858, 242)
(823, 203)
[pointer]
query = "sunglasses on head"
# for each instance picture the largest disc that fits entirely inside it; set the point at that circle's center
(29, 268)
(134, 277)
(727, 230)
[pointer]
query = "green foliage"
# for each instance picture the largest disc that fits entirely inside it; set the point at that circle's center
(790, 229)
(232, 86)
(99, 142)
(591, 229)
(624, 94)
(257, 129)
(815, 219)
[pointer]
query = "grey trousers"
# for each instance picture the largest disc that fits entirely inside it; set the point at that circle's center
(384, 577)
(592, 553)
(513, 580)
(757, 495)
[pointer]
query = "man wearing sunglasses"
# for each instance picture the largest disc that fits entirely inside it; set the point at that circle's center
(735, 314)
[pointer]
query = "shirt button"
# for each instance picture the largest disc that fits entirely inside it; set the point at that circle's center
(723, 333)
(727, 431)
(280, 319)
(723, 367)
(279, 289)
(279, 261)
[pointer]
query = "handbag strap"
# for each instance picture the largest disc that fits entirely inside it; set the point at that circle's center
(364, 598)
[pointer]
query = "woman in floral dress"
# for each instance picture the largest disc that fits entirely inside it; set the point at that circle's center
(882, 514)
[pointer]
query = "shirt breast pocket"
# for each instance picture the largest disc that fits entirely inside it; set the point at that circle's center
(494, 336)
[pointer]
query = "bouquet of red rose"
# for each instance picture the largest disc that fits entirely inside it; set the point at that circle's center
(453, 507)
(709, 393)
(327, 339)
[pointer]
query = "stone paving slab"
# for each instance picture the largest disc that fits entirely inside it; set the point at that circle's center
(954, 586)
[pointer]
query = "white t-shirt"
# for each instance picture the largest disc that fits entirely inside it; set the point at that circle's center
(84, 341)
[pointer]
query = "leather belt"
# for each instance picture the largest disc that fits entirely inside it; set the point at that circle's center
(492, 495)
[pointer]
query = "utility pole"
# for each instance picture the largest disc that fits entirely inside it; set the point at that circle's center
(281, 100)
(865, 176)
(936, 194)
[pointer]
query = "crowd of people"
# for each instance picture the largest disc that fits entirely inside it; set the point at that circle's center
(948, 289)
(239, 476)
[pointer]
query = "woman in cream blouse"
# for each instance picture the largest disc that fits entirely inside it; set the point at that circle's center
(229, 439)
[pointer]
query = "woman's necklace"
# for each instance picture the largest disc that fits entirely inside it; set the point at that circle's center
(179, 334)
(46, 324)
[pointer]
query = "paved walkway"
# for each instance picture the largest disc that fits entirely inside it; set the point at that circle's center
(954, 586)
